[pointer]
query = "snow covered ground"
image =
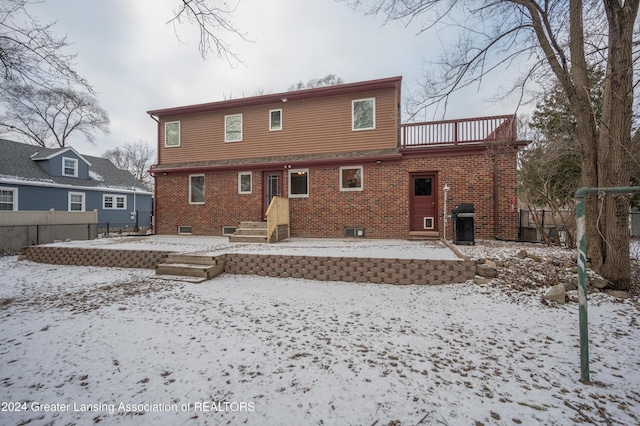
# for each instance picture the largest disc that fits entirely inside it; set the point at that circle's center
(396, 249)
(116, 346)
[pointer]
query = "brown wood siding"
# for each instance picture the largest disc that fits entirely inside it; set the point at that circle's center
(312, 126)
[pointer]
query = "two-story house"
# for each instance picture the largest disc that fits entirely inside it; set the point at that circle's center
(33, 178)
(341, 157)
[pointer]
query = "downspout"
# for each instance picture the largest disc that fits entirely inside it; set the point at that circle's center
(155, 179)
(496, 201)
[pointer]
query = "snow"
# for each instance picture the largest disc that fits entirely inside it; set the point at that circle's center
(213, 246)
(264, 351)
(95, 176)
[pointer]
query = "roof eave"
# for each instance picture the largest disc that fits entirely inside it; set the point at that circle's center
(318, 92)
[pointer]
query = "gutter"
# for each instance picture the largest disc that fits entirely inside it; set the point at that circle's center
(280, 164)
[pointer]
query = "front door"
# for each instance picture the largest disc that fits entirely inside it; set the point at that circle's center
(271, 187)
(423, 200)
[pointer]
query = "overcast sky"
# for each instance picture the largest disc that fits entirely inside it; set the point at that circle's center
(136, 63)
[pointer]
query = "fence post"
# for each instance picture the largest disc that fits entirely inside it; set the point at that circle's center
(37, 235)
(108, 233)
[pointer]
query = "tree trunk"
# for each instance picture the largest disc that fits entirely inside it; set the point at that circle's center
(615, 143)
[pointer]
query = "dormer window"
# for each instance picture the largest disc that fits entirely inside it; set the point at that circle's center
(69, 167)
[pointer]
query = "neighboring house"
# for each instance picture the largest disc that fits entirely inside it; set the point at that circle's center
(36, 178)
(341, 156)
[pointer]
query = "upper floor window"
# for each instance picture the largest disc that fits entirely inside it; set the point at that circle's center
(196, 189)
(172, 133)
(117, 202)
(76, 201)
(363, 114)
(9, 199)
(299, 183)
(275, 119)
(244, 183)
(351, 178)
(69, 167)
(233, 128)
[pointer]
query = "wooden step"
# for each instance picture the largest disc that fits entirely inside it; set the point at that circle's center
(253, 225)
(247, 239)
(251, 231)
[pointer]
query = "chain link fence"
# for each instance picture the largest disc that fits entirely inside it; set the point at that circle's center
(541, 226)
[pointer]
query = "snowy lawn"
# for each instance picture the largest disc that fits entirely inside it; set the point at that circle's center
(263, 351)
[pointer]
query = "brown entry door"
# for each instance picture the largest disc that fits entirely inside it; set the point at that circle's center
(271, 187)
(423, 202)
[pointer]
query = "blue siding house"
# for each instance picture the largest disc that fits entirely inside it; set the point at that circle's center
(36, 178)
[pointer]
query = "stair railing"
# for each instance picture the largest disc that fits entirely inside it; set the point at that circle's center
(277, 215)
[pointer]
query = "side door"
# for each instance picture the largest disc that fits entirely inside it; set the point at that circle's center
(423, 202)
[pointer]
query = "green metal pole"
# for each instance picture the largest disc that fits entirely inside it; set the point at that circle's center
(582, 268)
(582, 289)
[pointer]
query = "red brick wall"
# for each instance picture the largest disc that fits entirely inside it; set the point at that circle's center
(382, 208)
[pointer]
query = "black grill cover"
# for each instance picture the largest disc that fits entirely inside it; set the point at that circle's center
(464, 208)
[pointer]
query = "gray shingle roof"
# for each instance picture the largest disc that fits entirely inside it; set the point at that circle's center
(16, 163)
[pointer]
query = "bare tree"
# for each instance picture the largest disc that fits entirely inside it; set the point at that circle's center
(135, 157)
(30, 54)
(51, 117)
(561, 40)
(212, 20)
(327, 80)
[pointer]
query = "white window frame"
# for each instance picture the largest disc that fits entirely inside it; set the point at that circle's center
(240, 175)
(271, 128)
(75, 167)
(166, 139)
(293, 172)
(114, 202)
(191, 185)
(360, 188)
(14, 203)
(84, 200)
(353, 114)
(226, 135)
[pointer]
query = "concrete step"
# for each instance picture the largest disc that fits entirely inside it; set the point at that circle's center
(180, 278)
(186, 270)
(192, 259)
(247, 239)
(424, 235)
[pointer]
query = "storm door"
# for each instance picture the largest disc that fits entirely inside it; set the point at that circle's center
(271, 187)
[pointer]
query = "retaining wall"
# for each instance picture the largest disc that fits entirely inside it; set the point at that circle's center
(350, 269)
(146, 259)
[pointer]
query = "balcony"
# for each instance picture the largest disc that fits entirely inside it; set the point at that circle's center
(458, 132)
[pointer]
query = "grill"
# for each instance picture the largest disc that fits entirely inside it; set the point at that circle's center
(463, 216)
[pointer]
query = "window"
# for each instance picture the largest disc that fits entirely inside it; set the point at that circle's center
(184, 230)
(351, 178)
(196, 189)
(69, 167)
(117, 202)
(233, 128)
(275, 119)
(422, 186)
(363, 114)
(244, 183)
(172, 133)
(299, 183)
(76, 201)
(9, 199)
